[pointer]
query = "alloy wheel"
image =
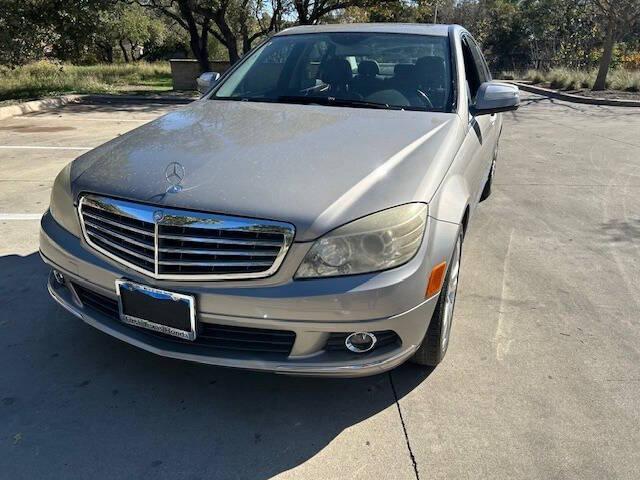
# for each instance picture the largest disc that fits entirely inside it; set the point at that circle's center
(450, 295)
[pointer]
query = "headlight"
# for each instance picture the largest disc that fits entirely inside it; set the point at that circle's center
(377, 242)
(61, 205)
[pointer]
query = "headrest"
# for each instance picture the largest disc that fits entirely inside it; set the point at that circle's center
(403, 70)
(368, 68)
(431, 70)
(336, 71)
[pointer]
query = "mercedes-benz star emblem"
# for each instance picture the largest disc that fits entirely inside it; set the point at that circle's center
(158, 215)
(174, 174)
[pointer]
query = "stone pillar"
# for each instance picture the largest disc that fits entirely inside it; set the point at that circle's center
(184, 72)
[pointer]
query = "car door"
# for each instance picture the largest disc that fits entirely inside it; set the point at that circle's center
(482, 129)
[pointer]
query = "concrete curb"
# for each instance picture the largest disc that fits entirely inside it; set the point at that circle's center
(48, 103)
(37, 105)
(569, 97)
(91, 98)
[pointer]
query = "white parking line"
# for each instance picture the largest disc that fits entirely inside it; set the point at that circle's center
(34, 147)
(502, 337)
(20, 216)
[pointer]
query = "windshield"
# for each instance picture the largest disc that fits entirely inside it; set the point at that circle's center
(364, 70)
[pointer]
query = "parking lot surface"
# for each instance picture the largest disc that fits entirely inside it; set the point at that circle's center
(542, 377)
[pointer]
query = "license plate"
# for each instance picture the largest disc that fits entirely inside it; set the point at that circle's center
(165, 312)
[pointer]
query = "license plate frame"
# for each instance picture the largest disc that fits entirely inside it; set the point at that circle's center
(126, 288)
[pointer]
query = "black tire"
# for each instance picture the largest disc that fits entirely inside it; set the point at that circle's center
(434, 347)
(486, 191)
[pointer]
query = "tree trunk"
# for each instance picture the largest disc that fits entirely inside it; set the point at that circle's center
(246, 39)
(110, 54)
(226, 36)
(605, 60)
(124, 51)
(302, 9)
(199, 48)
(232, 48)
(204, 47)
(246, 45)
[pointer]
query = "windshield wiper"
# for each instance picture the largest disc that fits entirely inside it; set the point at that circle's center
(311, 100)
(245, 99)
(333, 101)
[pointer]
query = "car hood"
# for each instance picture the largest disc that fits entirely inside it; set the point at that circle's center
(316, 167)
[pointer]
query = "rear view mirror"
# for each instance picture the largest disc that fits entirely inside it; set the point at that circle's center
(207, 80)
(494, 97)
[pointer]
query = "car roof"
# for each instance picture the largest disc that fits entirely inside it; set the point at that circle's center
(409, 28)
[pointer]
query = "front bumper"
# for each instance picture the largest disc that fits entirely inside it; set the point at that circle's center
(392, 300)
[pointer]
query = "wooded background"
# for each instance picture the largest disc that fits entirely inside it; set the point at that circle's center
(516, 34)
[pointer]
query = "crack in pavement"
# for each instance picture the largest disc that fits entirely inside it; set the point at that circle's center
(404, 428)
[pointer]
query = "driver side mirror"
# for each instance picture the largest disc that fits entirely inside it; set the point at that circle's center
(495, 97)
(207, 80)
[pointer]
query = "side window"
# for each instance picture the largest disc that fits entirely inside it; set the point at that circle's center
(473, 74)
(481, 64)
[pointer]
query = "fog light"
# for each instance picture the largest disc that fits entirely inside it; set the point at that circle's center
(360, 342)
(58, 277)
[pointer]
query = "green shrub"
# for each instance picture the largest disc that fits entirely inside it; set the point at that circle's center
(570, 79)
(626, 80)
(535, 76)
(507, 76)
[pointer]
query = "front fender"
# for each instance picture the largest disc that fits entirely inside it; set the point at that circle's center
(451, 199)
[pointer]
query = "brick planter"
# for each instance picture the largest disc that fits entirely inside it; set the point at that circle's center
(184, 72)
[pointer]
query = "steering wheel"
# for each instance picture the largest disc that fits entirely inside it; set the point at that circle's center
(424, 97)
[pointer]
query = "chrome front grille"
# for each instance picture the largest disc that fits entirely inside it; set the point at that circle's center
(167, 243)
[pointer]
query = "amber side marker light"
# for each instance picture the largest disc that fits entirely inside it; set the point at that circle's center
(436, 279)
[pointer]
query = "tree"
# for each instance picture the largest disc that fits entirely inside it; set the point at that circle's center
(243, 22)
(128, 27)
(559, 33)
(405, 11)
(619, 16)
(193, 17)
(21, 33)
(75, 25)
(135, 29)
(231, 22)
(255, 19)
(311, 12)
(69, 31)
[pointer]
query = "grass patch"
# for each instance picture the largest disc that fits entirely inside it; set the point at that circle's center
(569, 79)
(534, 76)
(41, 79)
(625, 80)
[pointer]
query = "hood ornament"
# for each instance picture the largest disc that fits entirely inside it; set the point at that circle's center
(158, 216)
(174, 173)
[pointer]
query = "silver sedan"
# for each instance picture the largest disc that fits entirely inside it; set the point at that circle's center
(305, 216)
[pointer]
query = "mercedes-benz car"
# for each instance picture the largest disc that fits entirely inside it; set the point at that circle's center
(305, 216)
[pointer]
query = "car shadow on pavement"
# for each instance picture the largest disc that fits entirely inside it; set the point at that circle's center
(76, 403)
(96, 106)
(622, 231)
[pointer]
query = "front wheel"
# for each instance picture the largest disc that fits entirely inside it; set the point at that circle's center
(436, 341)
